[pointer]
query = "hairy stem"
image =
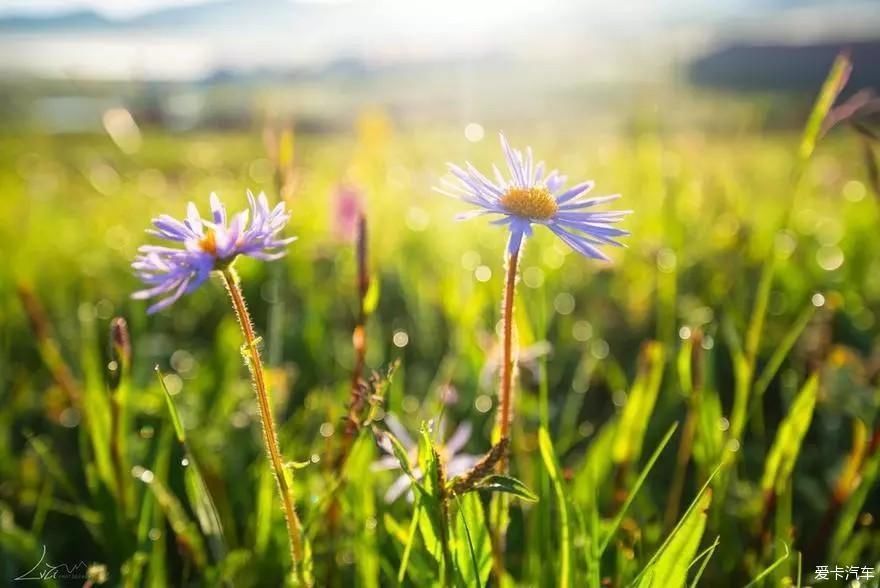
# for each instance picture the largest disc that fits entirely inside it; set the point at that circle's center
(508, 361)
(255, 364)
(508, 367)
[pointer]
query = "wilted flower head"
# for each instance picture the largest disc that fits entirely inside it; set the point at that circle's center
(456, 462)
(206, 245)
(531, 196)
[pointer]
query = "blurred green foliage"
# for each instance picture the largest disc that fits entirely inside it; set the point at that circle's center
(657, 337)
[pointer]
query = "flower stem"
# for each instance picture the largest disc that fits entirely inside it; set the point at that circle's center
(255, 364)
(508, 361)
(508, 367)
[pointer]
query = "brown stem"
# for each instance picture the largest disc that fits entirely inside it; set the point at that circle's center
(359, 342)
(508, 367)
(357, 394)
(255, 364)
(508, 361)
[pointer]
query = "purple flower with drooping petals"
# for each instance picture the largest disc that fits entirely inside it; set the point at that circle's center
(207, 245)
(531, 196)
(456, 462)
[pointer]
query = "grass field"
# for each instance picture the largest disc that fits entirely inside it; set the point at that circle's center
(700, 411)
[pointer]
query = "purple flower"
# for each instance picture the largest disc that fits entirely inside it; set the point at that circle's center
(456, 462)
(348, 202)
(530, 197)
(207, 245)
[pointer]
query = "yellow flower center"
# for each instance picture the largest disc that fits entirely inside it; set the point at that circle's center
(534, 203)
(208, 243)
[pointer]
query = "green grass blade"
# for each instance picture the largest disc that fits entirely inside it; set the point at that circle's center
(550, 463)
(704, 558)
(411, 539)
(852, 508)
(185, 530)
(831, 88)
(643, 475)
(474, 554)
(781, 351)
(769, 570)
(673, 561)
(705, 488)
(639, 405)
(194, 483)
(789, 437)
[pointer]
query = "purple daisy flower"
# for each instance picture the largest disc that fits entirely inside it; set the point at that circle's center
(531, 196)
(456, 462)
(207, 245)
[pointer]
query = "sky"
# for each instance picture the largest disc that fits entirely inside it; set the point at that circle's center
(110, 8)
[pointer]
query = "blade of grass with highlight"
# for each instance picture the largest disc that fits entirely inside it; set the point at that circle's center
(639, 405)
(782, 529)
(545, 445)
(631, 496)
(474, 553)
(834, 83)
(675, 558)
(597, 464)
(194, 483)
(646, 571)
(852, 508)
(703, 558)
(769, 570)
(411, 538)
(185, 530)
(782, 350)
(789, 437)
(837, 78)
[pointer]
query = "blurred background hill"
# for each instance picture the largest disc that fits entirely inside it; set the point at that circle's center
(185, 64)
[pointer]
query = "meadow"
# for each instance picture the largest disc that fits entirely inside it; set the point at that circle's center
(701, 410)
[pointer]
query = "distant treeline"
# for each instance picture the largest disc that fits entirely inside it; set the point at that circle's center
(785, 67)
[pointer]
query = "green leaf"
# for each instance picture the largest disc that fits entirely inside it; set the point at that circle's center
(673, 560)
(474, 554)
(784, 452)
(683, 365)
(757, 580)
(194, 483)
(649, 569)
(499, 483)
(704, 558)
(852, 508)
(429, 523)
(549, 456)
(184, 529)
(410, 538)
(400, 453)
(371, 300)
(643, 475)
(639, 405)
(52, 465)
(172, 408)
(597, 464)
(594, 566)
(831, 88)
(781, 350)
